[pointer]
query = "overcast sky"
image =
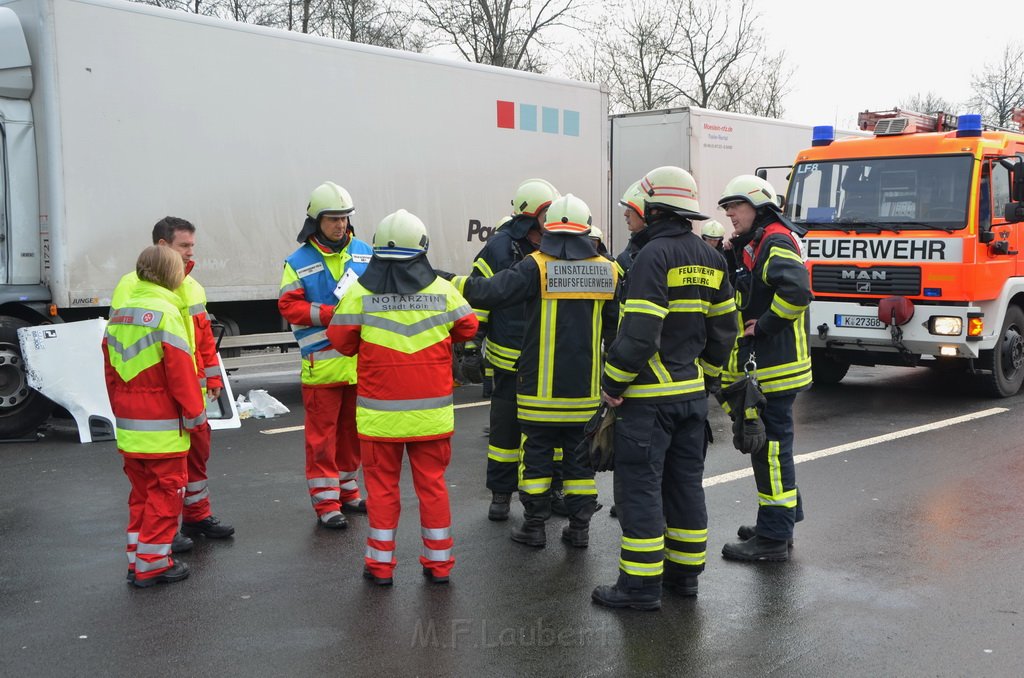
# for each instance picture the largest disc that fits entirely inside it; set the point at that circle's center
(868, 56)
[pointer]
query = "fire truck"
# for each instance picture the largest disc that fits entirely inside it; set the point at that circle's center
(914, 246)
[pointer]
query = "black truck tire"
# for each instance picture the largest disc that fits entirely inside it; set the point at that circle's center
(826, 370)
(1005, 362)
(22, 409)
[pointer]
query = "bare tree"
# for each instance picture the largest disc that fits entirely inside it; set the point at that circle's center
(372, 22)
(635, 57)
(928, 102)
(999, 88)
(497, 32)
(688, 52)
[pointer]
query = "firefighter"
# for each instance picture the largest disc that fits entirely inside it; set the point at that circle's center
(157, 404)
(197, 516)
(678, 324)
(713, 233)
(773, 292)
(570, 310)
(511, 243)
(315, 276)
(404, 345)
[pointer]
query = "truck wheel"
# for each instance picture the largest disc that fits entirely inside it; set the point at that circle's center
(1006, 360)
(22, 409)
(827, 370)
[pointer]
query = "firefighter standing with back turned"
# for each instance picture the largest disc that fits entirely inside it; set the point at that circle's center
(504, 328)
(568, 289)
(312, 275)
(402, 319)
(773, 292)
(678, 324)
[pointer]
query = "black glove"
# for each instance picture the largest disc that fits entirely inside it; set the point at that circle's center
(444, 274)
(597, 449)
(472, 365)
(712, 385)
(744, 402)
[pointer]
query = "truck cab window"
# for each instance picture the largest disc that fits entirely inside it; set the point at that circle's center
(1000, 191)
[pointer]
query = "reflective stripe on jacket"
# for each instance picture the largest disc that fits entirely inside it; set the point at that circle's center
(678, 318)
(150, 374)
(774, 288)
(404, 345)
(559, 370)
(307, 300)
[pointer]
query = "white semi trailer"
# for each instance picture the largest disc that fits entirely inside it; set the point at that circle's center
(712, 145)
(113, 115)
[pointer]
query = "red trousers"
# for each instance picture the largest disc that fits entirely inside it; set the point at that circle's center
(332, 447)
(154, 505)
(197, 494)
(382, 468)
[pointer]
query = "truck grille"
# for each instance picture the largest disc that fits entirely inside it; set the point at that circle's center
(876, 281)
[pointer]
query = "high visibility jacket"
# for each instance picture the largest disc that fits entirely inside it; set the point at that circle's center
(503, 326)
(200, 332)
(571, 308)
(150, 374)
(774, 288)
(678, 320)
(404, 343)
(307, 301)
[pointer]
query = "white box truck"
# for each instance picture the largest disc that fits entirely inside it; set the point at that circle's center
(712, 145)
(113, 115)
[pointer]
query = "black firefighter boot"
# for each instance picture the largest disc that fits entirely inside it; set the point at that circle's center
(757, 548)
(536, 511)
(746, 532)
(577, 532)
(501, 503)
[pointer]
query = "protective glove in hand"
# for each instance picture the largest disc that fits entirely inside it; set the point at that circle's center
(744, 402)
(597, 449)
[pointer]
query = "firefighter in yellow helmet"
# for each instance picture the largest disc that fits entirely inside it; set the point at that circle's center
(773, 293)
(678, 324)
(568, 291)
(309, 292)
(501, 333)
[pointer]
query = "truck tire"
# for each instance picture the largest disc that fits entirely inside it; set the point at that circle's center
(1005, 362)
(826, 370)
(22, 409)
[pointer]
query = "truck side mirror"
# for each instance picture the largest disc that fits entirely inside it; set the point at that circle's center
(1014, 212)
(761, 173)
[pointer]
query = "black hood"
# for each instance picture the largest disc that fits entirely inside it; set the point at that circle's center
(568, 247)
(397, 276)
(520, 226)
(668, 224)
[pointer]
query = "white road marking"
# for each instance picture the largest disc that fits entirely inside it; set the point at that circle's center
(866, 442)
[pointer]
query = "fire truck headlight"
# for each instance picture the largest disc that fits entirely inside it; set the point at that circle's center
(949, 326)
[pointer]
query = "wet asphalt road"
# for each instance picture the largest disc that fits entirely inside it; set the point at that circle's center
(909, 562)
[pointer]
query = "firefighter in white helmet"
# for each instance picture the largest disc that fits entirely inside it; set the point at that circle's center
(678, 324)
(502, 331)
(309, 293)
(401, 319)
(713, 233)
(773, 292)
(568, 291)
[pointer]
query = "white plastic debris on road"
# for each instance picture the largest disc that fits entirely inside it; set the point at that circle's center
(260, 405)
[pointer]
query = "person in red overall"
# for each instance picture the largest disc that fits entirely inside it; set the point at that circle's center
(401, 319)
(157, 402)
(314, 276)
